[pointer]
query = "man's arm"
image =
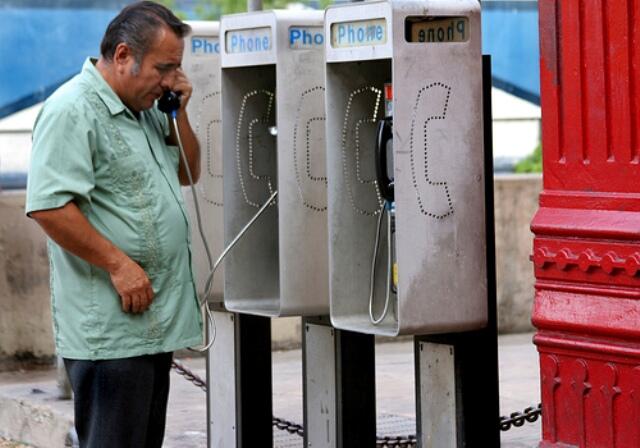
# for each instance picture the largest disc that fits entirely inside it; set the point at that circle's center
(68, 227)
(187, 136)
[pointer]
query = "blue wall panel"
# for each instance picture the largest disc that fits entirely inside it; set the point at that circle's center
(42, 47)
(510, 35)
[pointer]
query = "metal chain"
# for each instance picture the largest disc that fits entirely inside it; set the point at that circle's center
(290, 427)
(396, 442)
(515, 419)
(181, 369)
(381, 442)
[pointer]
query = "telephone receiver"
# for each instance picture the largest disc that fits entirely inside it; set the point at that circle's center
(383, 150)
(169, 102)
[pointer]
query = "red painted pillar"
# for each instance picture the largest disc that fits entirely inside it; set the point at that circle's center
(586, 249)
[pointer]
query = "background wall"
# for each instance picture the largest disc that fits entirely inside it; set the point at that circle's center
(25, 314)
(516, 201)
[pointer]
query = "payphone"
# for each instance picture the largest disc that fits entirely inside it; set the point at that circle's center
(416, 165)
(201, 63)
(273, 140)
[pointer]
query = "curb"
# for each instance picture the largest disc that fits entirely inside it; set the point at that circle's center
(33, 415)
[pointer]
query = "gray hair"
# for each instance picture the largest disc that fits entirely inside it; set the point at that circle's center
(137, 26)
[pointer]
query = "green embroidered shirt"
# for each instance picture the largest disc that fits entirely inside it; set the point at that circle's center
(89, 148)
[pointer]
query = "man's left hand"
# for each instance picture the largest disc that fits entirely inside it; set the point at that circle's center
(182, 85)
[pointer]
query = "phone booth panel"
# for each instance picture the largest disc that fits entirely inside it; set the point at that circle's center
(201, 63)
(273, 98)
(418, 64)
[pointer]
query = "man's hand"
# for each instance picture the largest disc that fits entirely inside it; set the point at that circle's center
(183, 85)
(189, 141)
(68, 227)
(133, 286)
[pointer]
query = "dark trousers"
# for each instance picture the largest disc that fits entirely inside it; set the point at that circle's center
(120, 403)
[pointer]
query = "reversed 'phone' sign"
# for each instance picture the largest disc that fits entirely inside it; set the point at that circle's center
(437, 29)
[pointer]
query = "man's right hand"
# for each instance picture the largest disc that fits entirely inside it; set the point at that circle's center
(68, 227)
(133, 286)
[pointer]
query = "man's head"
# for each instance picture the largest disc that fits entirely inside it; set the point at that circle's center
(142, 48)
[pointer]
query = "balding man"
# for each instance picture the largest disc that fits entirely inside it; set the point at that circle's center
(104, 184)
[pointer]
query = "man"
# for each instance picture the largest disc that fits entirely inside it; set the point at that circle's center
(104, 184)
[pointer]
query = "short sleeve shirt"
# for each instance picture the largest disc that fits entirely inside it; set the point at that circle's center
(89, 148)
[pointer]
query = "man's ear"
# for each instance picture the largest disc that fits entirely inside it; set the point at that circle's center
(122, 57)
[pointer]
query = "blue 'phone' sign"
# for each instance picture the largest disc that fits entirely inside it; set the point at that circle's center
(252, 40)
(306, 37)
(204, 46)
(359, 33)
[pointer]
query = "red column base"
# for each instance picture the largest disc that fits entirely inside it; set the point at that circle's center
(590, 369)
(544, 444)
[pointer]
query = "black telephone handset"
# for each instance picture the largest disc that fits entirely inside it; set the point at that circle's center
(169, 102)
(384, 145)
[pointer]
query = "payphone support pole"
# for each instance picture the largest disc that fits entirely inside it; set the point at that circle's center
(339, 386)
(457, 374)
(239, 382)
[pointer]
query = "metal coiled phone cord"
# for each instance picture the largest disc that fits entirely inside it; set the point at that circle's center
(212, 266)
(372, 277)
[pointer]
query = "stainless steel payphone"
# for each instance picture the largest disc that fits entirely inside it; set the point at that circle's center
(427, 55)
(273, 139)
(201, 62)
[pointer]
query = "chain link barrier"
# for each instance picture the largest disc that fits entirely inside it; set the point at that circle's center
(290, 427)
(396, 442)
(515, 419)
(190, 376)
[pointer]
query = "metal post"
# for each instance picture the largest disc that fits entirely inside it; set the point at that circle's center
(457, 374)
(221, 383)
(356, 389)
(339, 386)
(253, 381)
(254, 5)
(239, 395)
(319, 382)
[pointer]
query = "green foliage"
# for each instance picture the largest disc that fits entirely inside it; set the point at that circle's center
(213, 9)
(171, 4)
(532, 163)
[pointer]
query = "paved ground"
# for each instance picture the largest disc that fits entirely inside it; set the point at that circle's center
(29, 408)
(5, 443)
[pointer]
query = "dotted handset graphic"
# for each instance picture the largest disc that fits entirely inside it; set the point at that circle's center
(255, 147)
(433, 194)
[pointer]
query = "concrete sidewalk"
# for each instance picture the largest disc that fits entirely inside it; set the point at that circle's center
(30, 411)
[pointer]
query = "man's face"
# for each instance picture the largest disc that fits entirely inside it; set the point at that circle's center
(144, 83)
